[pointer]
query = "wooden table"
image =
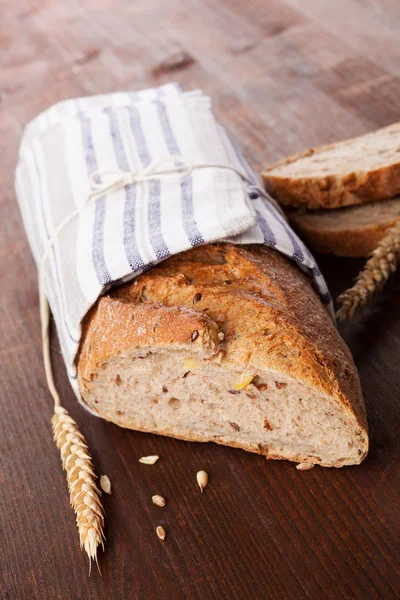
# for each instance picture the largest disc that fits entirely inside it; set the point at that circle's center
(283, 75)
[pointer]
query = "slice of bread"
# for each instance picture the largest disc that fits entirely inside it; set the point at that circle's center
(355, 171)
(352, 231)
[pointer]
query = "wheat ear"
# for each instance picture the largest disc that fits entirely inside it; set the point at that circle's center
(75, 457)
(84, 493)
(377, 270)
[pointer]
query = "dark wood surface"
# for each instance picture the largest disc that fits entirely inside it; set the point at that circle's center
(283, 75)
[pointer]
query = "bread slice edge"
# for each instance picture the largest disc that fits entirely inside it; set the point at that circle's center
(355, 237)
(334, 190)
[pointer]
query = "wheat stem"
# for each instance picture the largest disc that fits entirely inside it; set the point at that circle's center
(75, 457)
(377, 270)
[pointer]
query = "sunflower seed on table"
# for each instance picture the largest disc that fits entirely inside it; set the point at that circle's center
(158, 500)
(162, 534)
(202, 480)
(105, 484)
(304, 466)
(149, 460)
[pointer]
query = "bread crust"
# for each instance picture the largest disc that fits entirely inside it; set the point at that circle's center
(114, 326)
(273, 320)
(335, 189)
(349, 241)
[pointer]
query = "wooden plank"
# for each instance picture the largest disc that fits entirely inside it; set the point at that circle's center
(283, 75)
(370, 28)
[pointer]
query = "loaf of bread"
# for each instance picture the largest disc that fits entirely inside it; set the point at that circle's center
(355, 171)
(226, 344)
(351, 231)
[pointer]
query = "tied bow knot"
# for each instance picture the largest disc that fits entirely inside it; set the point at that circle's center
(106, 181)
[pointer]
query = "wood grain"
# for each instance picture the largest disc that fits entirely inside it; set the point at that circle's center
(283, 75)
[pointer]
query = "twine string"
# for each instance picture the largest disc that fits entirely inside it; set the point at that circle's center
(103, 182)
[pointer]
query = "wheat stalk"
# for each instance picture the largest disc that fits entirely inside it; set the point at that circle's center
(75, 457)
(84, 493)
(377, 270)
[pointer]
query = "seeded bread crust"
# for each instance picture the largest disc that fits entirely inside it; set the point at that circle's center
(247, 308)
(353, 231)
(355, 171)
(114, 327)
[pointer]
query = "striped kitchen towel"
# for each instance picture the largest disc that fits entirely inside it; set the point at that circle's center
(112, 184)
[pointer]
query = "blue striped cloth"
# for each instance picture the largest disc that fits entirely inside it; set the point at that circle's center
(124, 232)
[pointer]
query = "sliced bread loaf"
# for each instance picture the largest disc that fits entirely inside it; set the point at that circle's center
(355, 171)
(226, 344)
(352, 231)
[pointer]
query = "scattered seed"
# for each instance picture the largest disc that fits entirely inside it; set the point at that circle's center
(202, 480)
(149, 460)
(194, 336)
(245, 379)
(228, 282)
(174, 403)
(267, 424)
(162, 534)
(189, 364)
(158, 500)
(105, 484)
(280, 385)
(234, 426)
(262, 387)
(164, 389)
(234, 392)
(196, 298)
(118, 380)
(304, 466)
